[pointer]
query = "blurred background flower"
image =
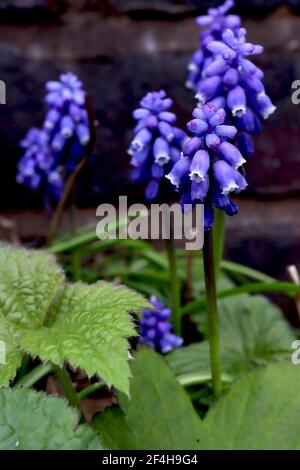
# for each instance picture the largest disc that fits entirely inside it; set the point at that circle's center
(156, 328)
(52, 153)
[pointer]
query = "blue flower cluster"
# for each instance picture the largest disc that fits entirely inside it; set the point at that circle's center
(52, 153)
(216, 22)
(208, 169)
(231, 103)
(225, 70)
(156, 329)
(38, 162)
(156, 144)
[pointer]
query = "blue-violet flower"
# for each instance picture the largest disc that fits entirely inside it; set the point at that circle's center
(209, 168)
(226, 71)
(67, 121)
(52, 153)
(156, 329)
(36, 168)
(156, 144)
(216, 22)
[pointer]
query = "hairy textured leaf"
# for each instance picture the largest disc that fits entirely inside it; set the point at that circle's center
(42, 315)
(35, 421)
(253, 333)
(260, 412)
(88, 327)
(28, 284)
(158, 414)
(10, 356)
(29, 281)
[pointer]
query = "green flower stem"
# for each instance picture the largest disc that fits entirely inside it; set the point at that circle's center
(198, 395)
(189, 276)
(76, 265)
(175, 285)
(35, 375)
(57, 216)
(212, 313)
(218, 238)
(70, 184)
(90, 389)
(24, 366)
(72, 213)
(41, 371)
(65, 381)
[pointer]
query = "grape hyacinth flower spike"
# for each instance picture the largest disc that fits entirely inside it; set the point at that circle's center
(232, 102)
(67, 120)
(37, 169)
(156, 329)
(240, 80)
(157, 142)
(53, 152)
(227, 71)
(208, 170)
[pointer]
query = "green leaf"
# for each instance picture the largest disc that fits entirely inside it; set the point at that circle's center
(83, 237)
(35, 421)
(191, 364)
(73, 241)
(29, 282)
(260, 412)
(10, 356)
(287, 288)
(252, 332)
(42, 315)
(88, 327)
(158, 415)
(235, 268)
